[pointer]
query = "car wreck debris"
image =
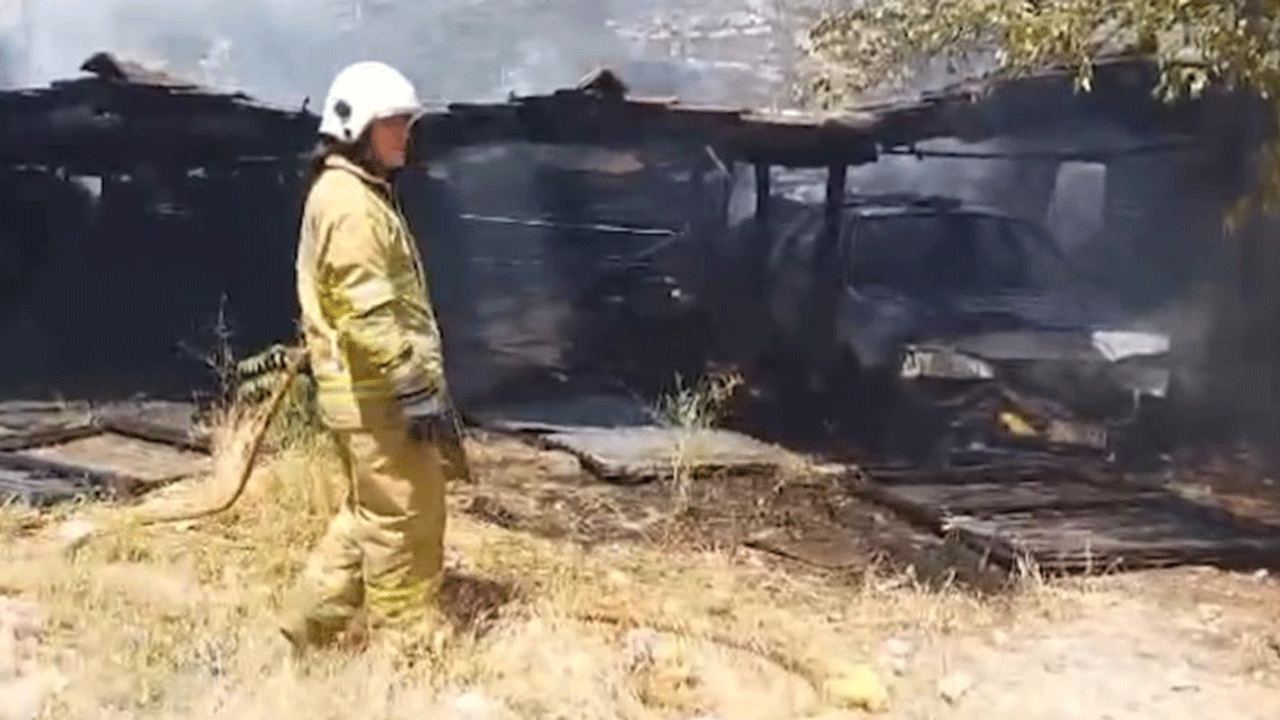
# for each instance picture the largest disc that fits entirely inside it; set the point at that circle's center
(960, 313)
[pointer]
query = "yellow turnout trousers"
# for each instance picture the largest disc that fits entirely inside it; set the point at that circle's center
(385, 546)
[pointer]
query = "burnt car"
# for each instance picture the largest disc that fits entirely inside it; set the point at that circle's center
(959, 326)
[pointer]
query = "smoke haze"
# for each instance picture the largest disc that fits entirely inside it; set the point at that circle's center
(286, 50)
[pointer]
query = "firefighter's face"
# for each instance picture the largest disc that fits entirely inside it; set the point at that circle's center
(389, 140)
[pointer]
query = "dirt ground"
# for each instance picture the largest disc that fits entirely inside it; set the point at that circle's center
(571, 598)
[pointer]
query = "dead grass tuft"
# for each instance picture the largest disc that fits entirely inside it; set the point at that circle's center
(690, 409)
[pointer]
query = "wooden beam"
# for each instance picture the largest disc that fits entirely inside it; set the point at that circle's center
(764, 177)
(836, 176)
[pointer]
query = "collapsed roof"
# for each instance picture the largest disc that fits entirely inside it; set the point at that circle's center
(599, 111)
(121, 114)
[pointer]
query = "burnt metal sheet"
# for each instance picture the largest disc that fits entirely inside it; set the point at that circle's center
(22, 416)
(119, 456)
(1068, 519)
(63, 429)
(642, 454)
(40, 483)
(48, 435)
(185, 438)
(146, 461)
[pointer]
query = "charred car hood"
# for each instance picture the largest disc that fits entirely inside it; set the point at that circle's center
(1069, 326)
(1071, 346)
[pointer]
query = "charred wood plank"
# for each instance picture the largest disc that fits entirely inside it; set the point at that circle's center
(1147, 534)
(1070, 518)
(1021, 496)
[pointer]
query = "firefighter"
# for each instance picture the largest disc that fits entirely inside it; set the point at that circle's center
(375, 353)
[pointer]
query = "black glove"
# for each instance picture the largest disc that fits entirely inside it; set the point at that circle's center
(433, 421)
(429, 419)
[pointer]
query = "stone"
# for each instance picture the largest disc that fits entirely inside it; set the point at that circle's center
(898, 647)
(474, 706)
(955, 686)
(1208, 612)
(896, 654)
(73, 534)
(640, 648)
(857, 687)
(25, 697)
(9, 662)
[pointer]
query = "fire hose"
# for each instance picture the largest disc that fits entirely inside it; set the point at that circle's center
(293, 365)
(288, 364)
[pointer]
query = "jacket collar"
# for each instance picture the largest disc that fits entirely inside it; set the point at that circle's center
(339, 162)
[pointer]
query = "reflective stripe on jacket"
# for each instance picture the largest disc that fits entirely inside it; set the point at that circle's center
(368, 323)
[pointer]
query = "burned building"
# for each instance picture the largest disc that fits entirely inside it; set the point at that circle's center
(134, 203)
(586, 244)
(1196, 148)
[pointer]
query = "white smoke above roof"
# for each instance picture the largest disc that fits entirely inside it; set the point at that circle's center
(285, 50)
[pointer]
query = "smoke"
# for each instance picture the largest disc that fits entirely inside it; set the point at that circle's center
(456, 50)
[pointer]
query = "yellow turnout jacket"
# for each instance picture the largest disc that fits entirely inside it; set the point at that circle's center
(370, 331)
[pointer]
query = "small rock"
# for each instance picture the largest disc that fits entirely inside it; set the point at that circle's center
(1000, 638)
(473, 706)
(1208, 612)
(24, 698)
(639, 648)
(1261, 575)
(897, 653)
(24, 618)
(857, 687)
(453, 559)
(8, 654)
(955, 686)
(898, 647)
(73, 534)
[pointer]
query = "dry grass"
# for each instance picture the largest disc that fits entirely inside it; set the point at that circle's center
(691, 408)
(177, 620)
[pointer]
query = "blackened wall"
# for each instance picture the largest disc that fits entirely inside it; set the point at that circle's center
(140, 272)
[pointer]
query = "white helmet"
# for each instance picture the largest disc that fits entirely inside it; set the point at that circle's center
(364, 92)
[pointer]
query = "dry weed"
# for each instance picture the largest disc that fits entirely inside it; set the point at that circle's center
(691, 409)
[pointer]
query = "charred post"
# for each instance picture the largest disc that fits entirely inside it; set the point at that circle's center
(763, 189)
(836, 178)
